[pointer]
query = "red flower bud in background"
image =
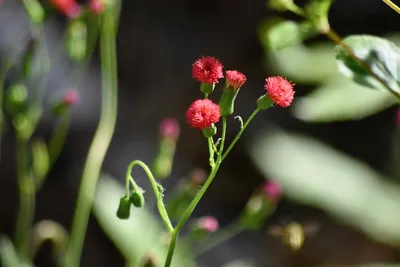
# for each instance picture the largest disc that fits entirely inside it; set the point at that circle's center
(198, 176)
(235, 79)
(169, 128)
(169, 134)
(207, 224)
(202, 114)
(97, 6)
(69, 8)
(280, 91)
(272, 190)
(207, 70)
(71, 97)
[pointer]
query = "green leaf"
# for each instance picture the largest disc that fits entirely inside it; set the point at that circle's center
(315, 174)
(380, 60)
(340, 99)
(309, 65)
(138, 236)
(285, 34)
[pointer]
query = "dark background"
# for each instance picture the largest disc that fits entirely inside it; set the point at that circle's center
(157, 43)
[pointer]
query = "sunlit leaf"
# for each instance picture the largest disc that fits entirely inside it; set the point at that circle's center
(286, 33)
(309, 65)
(140, 235)
(340, 99)
(380, 61)
(315, 174)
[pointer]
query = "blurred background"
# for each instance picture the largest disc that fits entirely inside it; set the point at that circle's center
(157, 43)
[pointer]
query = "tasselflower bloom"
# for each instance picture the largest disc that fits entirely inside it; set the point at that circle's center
(235, 79)
(207, 70)
(202, 114)
(280, 90)
(68, 7)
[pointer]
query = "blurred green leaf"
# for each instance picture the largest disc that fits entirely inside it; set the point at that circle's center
(380, 55)
(308, 65)
(340, 99)
(286, 33)
(315, 174)
(138, 236)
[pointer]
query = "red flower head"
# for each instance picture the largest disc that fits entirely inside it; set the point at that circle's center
(279, 90)
(207, 70)
(169, 128)
(68, 7)
(208, 224)
(202, 113)
(71, 97)
(235, 79)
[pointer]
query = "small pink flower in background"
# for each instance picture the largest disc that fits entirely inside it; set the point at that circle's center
(207, 70)
(272, 190)
(208, 224)
(169, 128)
(198, 176)
(279, 90)
(235, 79)
(202, 114)
(69, 8)
(97, 6)
(71, 97)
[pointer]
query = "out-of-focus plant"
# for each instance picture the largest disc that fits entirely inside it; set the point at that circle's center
(309, 171)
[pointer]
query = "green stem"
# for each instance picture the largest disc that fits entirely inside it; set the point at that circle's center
(26, 209)
(101, 140)
(220, 237)
(156, 188)
(392, 5)
(211, 151)
(186, 214)
(240, 133)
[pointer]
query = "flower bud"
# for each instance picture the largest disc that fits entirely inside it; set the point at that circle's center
(70, 98)
(34, 10)
(97, 6)
(76, 40)
(234, 80)
(210, 131)
(124, 208)
(203, 226)
(169, 134)
(261, 205)
(207, 88)
(16, 98)
(264, 102)
(137, 198)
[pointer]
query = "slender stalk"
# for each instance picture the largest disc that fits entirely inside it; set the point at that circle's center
(156, 188)
(186, 214)
(240, 133)
(392, 5)
(26, 209)
(219, 238)
(101, 140)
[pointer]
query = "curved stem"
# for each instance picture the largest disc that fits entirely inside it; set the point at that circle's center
(101, 140)
(240, 133)
(186, 214)
(392, 5)
(156, 188)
